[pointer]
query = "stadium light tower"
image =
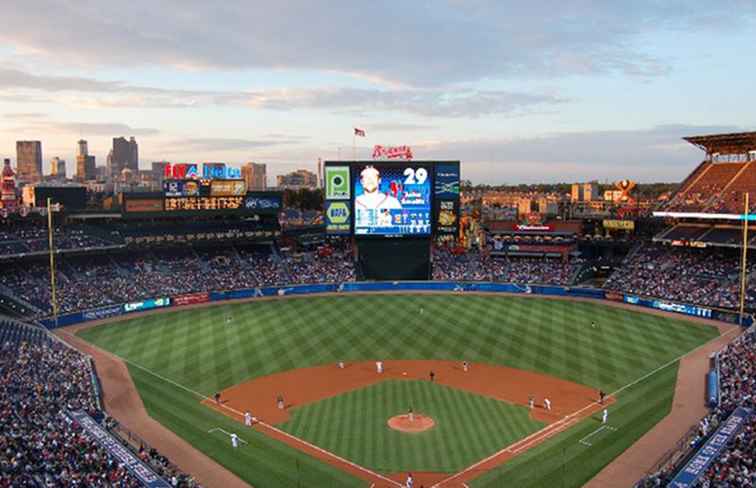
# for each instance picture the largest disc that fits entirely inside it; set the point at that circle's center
(52, 260)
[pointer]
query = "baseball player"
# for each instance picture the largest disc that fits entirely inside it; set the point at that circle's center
(593, 324)
(604, 415)
(379, 366)
(410, 481)
(411, 415)
(217, 398)
(531, 402)
(432, 376)
(235, 440)
(248, 419)
(280, 402)
(341, 364)
(547, 404)
(602, 395)
(465, 366)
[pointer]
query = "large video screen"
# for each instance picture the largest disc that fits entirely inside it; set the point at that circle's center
(392, 199)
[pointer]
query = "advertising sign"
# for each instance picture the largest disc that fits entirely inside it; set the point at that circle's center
(619, 224)
(102, 313)
(144, 205)
(191, 298)
(392, 199)
(447, 180)
(147, 304)
(181, 188)
(262, 202)
(337, 217)
(228, 188)
(337, 183)
(447, 216)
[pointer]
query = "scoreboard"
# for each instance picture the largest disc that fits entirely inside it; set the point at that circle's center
(392, 198)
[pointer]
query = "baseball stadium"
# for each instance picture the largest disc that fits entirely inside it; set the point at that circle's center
(205, 335)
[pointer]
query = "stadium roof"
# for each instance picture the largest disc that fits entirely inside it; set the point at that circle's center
(735, 143)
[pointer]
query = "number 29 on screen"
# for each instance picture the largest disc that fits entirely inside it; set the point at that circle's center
(415, 176)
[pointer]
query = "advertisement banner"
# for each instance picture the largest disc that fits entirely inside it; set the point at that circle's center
(144, 205)
(228, 188)
(263, 202)
(191, 298)
(619, 224)
(447, 217)
(181, 188)
(102, 313)
(710, 451)
(122, 454)
(337, 217)
(147, 304)
(337, 183)
(447, 181)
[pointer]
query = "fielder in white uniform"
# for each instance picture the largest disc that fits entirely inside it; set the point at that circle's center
(410, 481)
(465, 366)
(379, 366)
(604, 416)
(235, 440)
(248, 419)
(547, 404)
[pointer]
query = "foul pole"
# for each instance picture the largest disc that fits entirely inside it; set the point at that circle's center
(52, 260)
(744, 262)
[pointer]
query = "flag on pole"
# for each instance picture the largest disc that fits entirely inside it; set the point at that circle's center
(359, 132)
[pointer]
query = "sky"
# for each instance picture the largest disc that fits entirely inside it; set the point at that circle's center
(520, 92)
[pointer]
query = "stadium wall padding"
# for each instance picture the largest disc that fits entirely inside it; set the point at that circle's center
(392, 286)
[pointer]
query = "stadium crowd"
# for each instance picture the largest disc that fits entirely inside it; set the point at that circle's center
(708, 277)
(476, 266)
(736, 466)
(41, 446)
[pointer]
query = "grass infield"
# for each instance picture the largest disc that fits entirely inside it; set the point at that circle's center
(198, 349)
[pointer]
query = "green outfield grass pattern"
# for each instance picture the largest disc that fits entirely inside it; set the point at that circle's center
(468, 427)
(197, 349)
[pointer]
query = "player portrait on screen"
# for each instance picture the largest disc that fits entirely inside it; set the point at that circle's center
(372, 197)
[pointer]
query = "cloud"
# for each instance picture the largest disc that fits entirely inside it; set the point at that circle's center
(24, 115)
(655, 154)
(400, 127)
(404, 43)
(452, 102)
(221, 144)
(39, 123)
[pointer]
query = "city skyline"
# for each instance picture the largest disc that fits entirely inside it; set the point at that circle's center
(518, 93)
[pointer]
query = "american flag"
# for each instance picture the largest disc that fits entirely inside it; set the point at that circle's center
(359, 132)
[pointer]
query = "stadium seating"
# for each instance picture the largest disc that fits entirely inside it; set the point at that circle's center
(736, 465)
(40, 446)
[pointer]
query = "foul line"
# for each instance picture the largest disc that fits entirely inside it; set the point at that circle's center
(508, 449)
(227, 433)
(586, 443)
(261, 423)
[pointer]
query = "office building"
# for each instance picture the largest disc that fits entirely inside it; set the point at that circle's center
(255, 176)
(29, 161)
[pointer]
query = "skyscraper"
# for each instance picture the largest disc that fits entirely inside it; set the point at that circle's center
(255, 176)
(85, 164)
(58, 168)
(29, 161)
(125, 154)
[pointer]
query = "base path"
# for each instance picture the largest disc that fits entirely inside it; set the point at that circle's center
(303, 386)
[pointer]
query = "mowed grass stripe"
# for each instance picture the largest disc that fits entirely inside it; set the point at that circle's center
(197, 349)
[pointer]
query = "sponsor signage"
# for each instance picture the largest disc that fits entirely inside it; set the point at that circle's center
(144, 205)
(180, 171)
(619, 224)
(447, 180)
(203, 203)
(337, 217)
(147, 304)
(122, 454)
(337, 183)
(191, 298)
(210, 171)
(181, 188)
(534, 228)
(263, 202)
(227, 188)
(671, 306)
(103, 313)
(447, 217)
(711, 451)
(392, 152)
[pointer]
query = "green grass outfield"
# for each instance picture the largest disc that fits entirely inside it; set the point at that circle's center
(197, 349)
(468, 427)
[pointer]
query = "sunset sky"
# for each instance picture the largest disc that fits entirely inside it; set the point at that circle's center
(518, 91)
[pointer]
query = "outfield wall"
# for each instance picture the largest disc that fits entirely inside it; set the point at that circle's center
(388, 286)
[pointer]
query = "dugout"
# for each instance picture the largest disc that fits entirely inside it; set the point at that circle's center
(394, 259)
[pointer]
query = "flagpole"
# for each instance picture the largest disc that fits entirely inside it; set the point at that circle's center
(52, 260)
(744, 261)
(354, 145)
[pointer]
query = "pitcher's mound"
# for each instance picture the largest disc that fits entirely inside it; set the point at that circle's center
(402, 423)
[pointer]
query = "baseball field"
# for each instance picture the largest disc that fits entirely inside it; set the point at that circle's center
(333, 431)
